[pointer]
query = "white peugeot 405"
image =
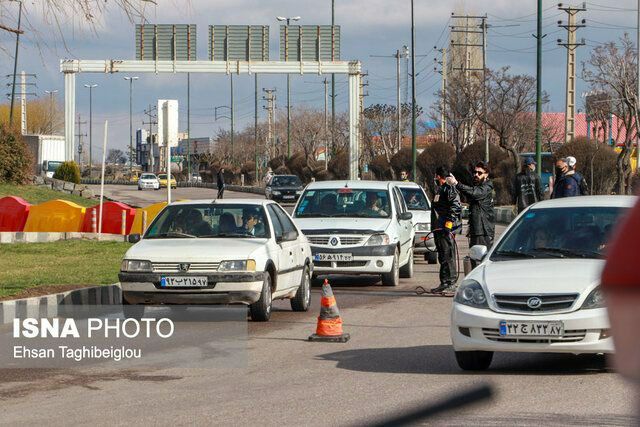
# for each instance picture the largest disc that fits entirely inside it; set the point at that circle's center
(235, 251)
(538, 289)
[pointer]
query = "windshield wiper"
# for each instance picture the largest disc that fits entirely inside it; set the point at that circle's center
(314, 214)
(515, 254)
(570, 252)
(228, 235)
(172, 234)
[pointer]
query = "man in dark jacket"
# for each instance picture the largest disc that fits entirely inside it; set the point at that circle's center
(480, 199)
(566, 184)
(221, 183)
(527, 186)
(445, 219)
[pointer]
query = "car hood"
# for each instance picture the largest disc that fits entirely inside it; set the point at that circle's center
(342, 225)
(194, 250)
(540, 276)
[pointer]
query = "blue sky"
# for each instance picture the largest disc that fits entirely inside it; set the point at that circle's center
(369, 27)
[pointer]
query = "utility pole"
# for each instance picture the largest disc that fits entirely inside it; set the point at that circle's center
(90, 87)
(361, 96)
(571, 45)
(485, 130)
(51, 93)
(80, 135)
(23, 103)
(15, 65)
(232, 120)
(444, 72)
(255, 126)
(153, 120)
(539, 36)
(131, 79)
(333, 85)
(270, 98)
(288, 21)
(326, 134)
(189, 126)
(414, 147)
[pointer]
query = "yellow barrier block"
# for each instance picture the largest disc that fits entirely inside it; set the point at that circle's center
(55, 216)
(152, 211)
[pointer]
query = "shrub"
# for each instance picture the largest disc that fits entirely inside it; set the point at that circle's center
(595, 161)
(380, 168)
(15, 158)
(339, 165)
(68, 171)
(402, 160)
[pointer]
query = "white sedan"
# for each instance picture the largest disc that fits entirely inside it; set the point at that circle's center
(538, 289)
(148, 180)
(226, 251)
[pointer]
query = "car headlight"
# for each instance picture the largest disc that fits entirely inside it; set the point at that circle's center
(595, 299)
(471, 293)
(423, 226)
(132, 265)
(238, 265)
(378, 240)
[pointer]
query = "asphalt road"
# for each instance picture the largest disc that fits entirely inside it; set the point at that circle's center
(399, 358)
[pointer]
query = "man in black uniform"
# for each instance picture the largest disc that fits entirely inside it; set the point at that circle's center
(480, 199)
(221, 183)
(445, 218)
(528, 189)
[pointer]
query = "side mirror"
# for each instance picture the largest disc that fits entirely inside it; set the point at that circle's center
(134, 238)
(477, 252)
(287, 237)
(405, 216)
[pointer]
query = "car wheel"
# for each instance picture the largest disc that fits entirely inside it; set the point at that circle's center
(406, 272)
(474, 360)
(431, 257)
(261, 309)
(300, 302)
(392, 278)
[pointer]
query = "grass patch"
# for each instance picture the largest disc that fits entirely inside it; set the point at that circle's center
(36, 195)
(67, 262)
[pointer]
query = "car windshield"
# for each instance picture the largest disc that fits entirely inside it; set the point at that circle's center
(286, 181)
(209, 221)
(344, 202)
(415, 199)
(148, 176)
(580, 232)
(162, 176)
(53, 166)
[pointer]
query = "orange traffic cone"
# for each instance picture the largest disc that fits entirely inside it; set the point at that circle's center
(329, 327)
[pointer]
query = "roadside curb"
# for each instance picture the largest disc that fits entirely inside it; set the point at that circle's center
(47, 305)
(43, 237)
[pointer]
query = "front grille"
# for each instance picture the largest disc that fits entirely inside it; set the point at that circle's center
(550, 302)
(344, 240)
(569, 336)
(196, 267)
(340, 264)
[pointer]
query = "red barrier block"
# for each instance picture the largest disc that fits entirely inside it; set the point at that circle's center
(111, 217)
(13, 213)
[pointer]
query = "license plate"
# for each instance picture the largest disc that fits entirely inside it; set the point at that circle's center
(288, 197)
(531, 329)
(333, 257)
(184, 282)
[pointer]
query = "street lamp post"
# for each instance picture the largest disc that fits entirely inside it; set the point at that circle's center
(288, 21)
(51, 93)
(131, 79)
(413, 96)
(90, 86)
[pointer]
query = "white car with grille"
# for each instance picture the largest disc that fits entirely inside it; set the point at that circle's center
(538, 289)
(148, 180)
(357, 227)
(222, 252)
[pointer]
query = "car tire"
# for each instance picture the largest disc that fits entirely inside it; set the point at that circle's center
(392, 278)
(406, 271)
(474, 360)
(431, 257)
(261, 309)
(300, 302)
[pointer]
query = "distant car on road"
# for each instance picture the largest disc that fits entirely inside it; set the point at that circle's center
(419, 205)
(538, 289)
(222, 252)
(163, 181)
(195, 178)
(148, 180)
(357, 227)
(284, 188)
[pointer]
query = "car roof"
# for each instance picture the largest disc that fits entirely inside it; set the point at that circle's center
(587, 201)
(364, 185)
(407, 184)
(254, 202)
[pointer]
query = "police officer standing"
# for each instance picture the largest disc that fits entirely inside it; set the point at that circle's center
(480, 199)
(445, 218)
(528, 189)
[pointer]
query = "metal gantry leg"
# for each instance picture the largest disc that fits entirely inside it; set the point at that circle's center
(69, 113)
(354, 125)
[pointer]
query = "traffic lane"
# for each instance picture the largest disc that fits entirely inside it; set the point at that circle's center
(130, 194)
(399, 357)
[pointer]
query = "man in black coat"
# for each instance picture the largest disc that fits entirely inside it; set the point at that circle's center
(528, 189)
(445, 219)
(221, 183)
(480, 199)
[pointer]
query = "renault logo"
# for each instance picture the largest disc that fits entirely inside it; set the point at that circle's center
(184, 266)
(534, 302)
(334, 241)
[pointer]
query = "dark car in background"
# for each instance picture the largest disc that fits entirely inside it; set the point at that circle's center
(284, 188)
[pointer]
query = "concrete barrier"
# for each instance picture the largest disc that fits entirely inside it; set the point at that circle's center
(48, 305)
(26, 237)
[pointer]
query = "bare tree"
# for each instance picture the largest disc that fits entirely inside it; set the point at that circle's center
(43, 116)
